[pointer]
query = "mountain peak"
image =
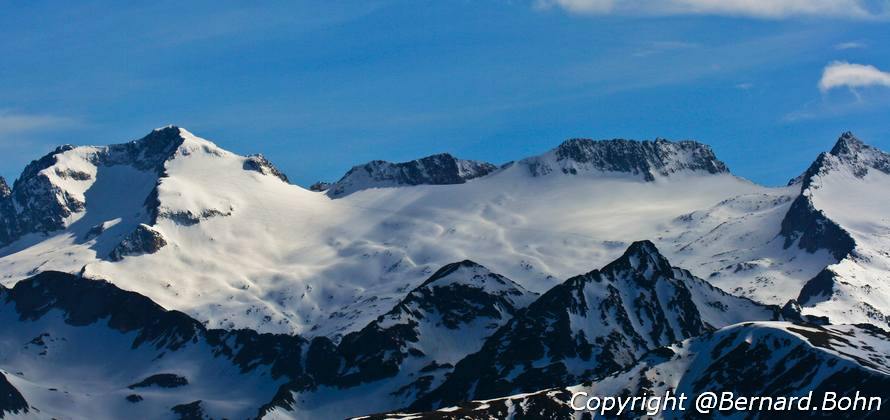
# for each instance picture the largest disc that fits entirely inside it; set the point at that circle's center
(448, 269)
(848, 152)
(646, 158)
(162, 140)
(469, 274)
(847, 144)
(438, 169)
(642, 257)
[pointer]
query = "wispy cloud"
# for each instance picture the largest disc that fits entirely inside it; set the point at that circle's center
(15, 123)
(25, 136)
(663, 46)
(768, 9)
(744, 86)
(852, 45)
(842, 74)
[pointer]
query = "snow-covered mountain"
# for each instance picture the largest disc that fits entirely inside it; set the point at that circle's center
(765, 359)
(843, 207)
(294, 301)
(223, 238)
(594, 324)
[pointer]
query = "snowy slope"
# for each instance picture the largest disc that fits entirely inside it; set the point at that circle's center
(775, 359)
(223, 238)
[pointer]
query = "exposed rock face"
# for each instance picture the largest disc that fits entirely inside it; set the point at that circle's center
(11, 400)
(259, 163)
(767, 360)
(320, 186)
(812, 230)
(441, 169)
(190, 411)
(39, 204)
(163, 380)
(144, 240)
(644, 158)
(7, 214)
(818, 288)
(594, 324)
(5, 192)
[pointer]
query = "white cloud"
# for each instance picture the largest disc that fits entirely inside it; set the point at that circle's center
(842, 74)
(771, 9)
(850, 45)
(11, 122)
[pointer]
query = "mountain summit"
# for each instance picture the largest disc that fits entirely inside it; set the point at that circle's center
(441, 169)
(639, 158)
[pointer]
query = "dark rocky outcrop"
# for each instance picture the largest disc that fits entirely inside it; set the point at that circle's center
(812, 230)
(441, 169)
(645, 158)
(162, 380)
(11, 400)
(320, 186)
(190, 411)
(143, 240)
(8, 228)
(259, 163)
(818, 288)
(5, 191)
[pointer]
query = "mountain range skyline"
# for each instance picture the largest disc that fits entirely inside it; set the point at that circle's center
(320, 87)
(324, 183)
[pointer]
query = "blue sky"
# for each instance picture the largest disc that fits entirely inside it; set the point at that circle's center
(320, 86)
